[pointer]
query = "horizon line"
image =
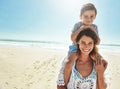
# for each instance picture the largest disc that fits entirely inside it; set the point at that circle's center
(57, 42)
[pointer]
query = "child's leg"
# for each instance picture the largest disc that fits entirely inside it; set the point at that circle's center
(68, 66)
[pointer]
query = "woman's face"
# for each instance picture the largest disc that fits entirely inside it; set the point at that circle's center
(86, 45)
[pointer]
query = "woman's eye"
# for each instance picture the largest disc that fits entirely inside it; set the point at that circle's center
(90, 43)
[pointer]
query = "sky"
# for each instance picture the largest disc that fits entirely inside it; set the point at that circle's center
(53, 20)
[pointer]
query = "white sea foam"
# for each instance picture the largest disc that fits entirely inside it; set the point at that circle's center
(55, 45)
(48, 45)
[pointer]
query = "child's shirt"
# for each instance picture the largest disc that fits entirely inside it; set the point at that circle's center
(73, 47)
(79, 24)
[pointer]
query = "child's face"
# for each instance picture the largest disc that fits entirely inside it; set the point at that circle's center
(88, 17)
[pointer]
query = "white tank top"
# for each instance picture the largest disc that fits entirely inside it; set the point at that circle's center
(78, 82)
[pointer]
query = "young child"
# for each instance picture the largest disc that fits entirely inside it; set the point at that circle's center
(87, 16)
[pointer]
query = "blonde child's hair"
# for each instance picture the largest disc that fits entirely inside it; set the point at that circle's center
(86, 7)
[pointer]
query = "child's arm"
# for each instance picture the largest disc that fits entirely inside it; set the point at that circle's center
(75, 31)
(74, 35)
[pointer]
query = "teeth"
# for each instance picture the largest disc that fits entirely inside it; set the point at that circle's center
(86, 50)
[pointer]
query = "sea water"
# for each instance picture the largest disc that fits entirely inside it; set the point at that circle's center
(54, 45)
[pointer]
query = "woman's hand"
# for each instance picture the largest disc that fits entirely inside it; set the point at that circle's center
(99, 62)
(100, 66)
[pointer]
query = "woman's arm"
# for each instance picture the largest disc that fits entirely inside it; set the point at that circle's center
(100, 82)
(60, 80)
(61, 87)
(100, 69)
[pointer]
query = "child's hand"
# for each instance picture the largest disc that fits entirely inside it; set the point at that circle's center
(88, 26)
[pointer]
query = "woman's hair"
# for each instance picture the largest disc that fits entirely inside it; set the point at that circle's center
(88, 6)
(89, 32)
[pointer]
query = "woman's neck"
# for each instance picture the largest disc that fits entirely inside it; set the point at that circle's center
(84, 58)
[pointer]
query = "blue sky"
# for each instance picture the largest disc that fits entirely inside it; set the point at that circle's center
(52, 20)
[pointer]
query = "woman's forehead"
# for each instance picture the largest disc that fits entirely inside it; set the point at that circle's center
(86, 39)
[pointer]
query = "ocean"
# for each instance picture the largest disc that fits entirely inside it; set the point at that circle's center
(36, 44)
(53, 45)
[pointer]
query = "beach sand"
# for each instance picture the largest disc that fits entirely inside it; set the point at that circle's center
(37, 68)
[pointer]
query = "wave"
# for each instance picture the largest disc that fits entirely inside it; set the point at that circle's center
(33, 43)
(51, 44)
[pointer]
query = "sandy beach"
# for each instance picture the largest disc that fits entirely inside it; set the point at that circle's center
(37, 68)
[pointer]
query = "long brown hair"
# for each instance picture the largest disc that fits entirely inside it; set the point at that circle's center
(92, 34)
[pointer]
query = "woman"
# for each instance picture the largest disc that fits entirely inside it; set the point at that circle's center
(88, 70)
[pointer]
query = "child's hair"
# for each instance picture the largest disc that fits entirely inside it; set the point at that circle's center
(88, 6)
